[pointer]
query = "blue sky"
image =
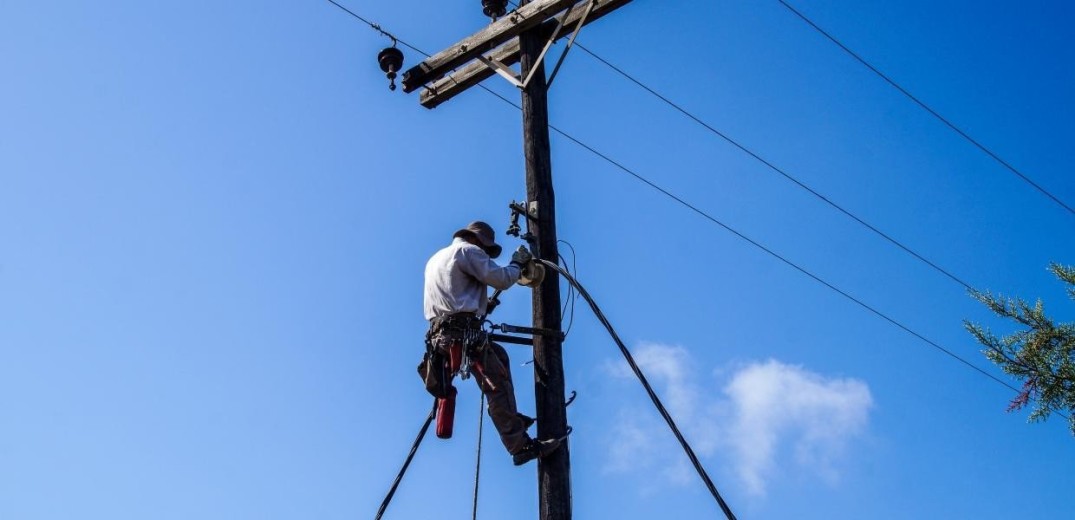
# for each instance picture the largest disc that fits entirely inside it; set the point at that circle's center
(214, 218)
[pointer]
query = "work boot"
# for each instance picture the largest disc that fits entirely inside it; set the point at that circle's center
(527, 420)
(535, 449)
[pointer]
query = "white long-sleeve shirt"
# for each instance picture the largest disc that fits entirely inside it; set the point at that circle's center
(457, 279)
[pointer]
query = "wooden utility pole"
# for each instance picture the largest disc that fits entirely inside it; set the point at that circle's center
(524, 36)
(554, 470)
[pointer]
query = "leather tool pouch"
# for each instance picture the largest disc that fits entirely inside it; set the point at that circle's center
(434, 371)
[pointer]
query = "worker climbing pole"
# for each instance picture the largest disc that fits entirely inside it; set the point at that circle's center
(460, 339)
(524, 35)
(455, 302)
(472, 341)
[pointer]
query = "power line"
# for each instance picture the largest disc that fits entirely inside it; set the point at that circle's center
(786, 175)
(728, 228)
(777, 169)
(926, 107)
(378, 28)
(758, 245)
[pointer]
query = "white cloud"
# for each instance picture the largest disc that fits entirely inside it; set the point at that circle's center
(772, 402)
(765, 413)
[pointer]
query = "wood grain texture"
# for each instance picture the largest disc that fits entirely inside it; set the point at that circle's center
(492, 36)
(457, 82)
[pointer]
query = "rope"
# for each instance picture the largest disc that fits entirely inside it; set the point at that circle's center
(406, 463)
(478, 463)
(649, 390)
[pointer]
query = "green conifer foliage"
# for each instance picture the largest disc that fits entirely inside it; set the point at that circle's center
(1040, 353)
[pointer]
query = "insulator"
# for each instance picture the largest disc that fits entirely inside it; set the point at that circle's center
(494, 8)
(391, 61)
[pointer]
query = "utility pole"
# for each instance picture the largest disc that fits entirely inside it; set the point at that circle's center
(525, 36)
(554, 470)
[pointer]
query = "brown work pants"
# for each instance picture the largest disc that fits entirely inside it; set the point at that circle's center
(491, 370)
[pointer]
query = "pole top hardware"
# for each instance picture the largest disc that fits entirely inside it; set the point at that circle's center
(519, 208)
(517, 79)
(494, 35)
(443, 84)
(391, 60)
(495, 8)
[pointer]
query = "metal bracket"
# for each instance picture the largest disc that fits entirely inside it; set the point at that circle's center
(513, 78)
(517, 209)
(570, 42)
(549, 333)
(501, 69)
(529, 209)
(503, 338)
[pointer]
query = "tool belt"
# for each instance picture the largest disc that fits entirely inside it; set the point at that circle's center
(438, 366)
(454, 325)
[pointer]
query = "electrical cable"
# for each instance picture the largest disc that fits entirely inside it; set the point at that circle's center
(712, 219)
(597, 311)
(757, 244)
(627, 355)
(926, 107)
(728, 228)
(722, 135)
(802, 185)
(377, 27)
(709, 217)
(649, 389)
(569, 303)
(776, 169)
(571, 296)
(772, 253)
(407, 462)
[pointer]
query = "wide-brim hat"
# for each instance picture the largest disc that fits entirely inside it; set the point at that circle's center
(484, 234)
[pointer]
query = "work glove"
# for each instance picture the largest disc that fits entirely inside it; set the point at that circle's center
(531, 274)
(521, 257)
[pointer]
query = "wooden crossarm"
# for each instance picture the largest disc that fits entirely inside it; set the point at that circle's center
(459, 81)
(492, 36)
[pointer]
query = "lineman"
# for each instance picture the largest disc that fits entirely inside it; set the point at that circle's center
(456, 285)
